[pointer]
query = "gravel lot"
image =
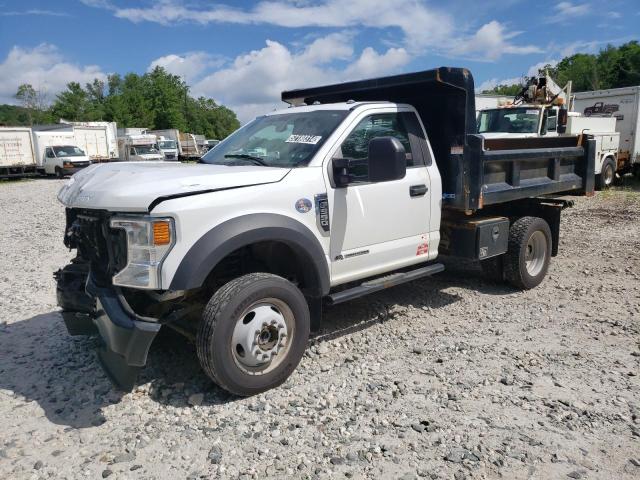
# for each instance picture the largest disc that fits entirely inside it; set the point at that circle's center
(450, 377)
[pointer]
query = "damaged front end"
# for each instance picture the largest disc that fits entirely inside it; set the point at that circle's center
(92, 303)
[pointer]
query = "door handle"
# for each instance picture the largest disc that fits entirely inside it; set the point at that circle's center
(417, 190)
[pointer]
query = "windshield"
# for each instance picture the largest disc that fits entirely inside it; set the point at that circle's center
(509, 120)
(167, 144)
(68, 151)
(284, 140)
(145, 149)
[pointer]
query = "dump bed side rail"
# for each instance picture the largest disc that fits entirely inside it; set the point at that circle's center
(519, 173)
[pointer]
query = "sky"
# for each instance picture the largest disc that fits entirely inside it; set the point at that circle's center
(243, 54)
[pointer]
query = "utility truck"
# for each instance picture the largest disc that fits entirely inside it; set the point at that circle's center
(139, 148)
(57, 152)
(623, 106)
(356, 188)
(535, 112)
(17, 155)
(188, 147)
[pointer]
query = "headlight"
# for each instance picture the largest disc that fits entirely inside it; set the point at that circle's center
(149, 240)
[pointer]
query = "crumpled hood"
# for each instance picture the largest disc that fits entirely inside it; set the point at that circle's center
(133, 186)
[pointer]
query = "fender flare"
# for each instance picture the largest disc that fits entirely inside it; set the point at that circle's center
(239, 232)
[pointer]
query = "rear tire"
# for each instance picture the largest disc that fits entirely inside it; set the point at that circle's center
(608, 174)
(253, 333)
(527, 259)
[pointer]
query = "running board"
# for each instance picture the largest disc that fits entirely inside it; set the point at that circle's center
(384, 282)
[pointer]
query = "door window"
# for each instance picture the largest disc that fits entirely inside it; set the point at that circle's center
(355, 147)
(49, 153)
(132, 151)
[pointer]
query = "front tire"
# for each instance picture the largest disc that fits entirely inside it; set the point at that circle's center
(59, 173)
(253, 333)
(527, 259)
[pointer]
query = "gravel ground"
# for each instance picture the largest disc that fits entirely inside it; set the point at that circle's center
(449, 377)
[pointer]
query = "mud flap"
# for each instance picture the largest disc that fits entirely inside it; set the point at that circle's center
(122, 376)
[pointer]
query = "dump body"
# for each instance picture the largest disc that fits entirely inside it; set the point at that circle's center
(623, 104)
(473, 173)
(17, 155)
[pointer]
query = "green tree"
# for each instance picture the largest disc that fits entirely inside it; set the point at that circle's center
(33, 101)
(506, 90)
(71, 104)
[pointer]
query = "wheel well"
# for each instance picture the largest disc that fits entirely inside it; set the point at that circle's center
(269, 256)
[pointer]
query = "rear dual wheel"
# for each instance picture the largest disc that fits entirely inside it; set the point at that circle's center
(253, 333)
(526, 262)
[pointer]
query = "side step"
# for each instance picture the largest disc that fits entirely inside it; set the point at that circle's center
(383, 283)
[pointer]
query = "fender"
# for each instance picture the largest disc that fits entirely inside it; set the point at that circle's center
(239, 232)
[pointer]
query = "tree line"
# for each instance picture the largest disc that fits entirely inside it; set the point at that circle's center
(611, 67)
(155, 100)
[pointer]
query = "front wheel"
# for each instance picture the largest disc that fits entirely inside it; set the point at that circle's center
(253, 333)
(529, 254)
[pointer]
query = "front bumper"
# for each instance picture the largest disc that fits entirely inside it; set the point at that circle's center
(72, 170)
(126, 336)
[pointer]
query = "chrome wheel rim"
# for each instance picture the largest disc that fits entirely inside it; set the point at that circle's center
(262, 336)
(536, 253)
(608, 175)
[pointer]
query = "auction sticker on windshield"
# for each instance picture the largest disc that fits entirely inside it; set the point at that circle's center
(309, 139)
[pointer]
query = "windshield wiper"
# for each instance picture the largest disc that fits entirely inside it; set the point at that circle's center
(244, 156)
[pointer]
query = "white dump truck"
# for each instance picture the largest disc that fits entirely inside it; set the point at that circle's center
(57, 153)
(139, 148)
(17, 155)
(356, 188)
(188, 148)
(622, 104)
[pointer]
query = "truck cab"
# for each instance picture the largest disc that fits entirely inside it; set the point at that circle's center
(356, 188)
(168, 148)
(63, 160)
(518, 121)
(139, 148)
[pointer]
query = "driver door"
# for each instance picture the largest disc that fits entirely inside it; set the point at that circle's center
(377, 227)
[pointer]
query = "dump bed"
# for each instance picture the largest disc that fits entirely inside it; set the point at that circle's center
(475, 172)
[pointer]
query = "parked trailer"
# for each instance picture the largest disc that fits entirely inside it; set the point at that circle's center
(622, 104)
(98, 139)
(17, 155)
(188, 148)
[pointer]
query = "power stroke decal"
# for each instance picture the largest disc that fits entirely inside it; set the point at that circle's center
(322, 212)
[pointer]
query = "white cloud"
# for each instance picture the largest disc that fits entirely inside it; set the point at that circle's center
(45, 68)
(34, 11)
(189, 66)
(490, 42)
(565, 11)
(252, 83)
(423, 26)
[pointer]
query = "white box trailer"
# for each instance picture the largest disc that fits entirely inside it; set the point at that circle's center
(187, 144)
(17, 154)
(98, 139)
(623, 105)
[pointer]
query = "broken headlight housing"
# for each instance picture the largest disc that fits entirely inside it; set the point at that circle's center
(149, 241)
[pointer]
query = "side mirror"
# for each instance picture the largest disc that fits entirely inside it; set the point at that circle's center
(387, 159)
(562, 120)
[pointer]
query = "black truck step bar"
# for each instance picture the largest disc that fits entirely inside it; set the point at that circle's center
(384, 282)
